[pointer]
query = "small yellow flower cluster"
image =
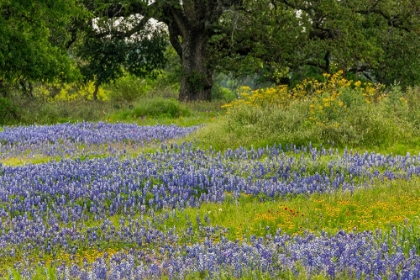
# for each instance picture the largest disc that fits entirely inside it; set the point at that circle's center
(325, 99)
(273, 96)
(346, 214)
(332, 83)
(327, 104)
(372, 94)
(69, 92)
(378, 214)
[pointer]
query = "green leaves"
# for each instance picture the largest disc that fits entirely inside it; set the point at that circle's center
(280, 38)
(32, 39)
(104, 59)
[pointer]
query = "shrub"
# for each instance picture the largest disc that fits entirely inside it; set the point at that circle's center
(69, 92)
(128, 89)
(8, 112)
(159, 107)
(335, 110)
(412, 99)
(221, 93)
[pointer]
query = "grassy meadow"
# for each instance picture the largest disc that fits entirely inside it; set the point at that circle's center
(316, 182)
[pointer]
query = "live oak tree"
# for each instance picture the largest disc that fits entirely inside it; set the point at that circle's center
(287, 38)
(378, 38)
(190, 23)
(105, 56)
(276, 38)
(33, 41)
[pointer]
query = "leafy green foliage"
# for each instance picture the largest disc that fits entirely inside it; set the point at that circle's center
(284, 41)
(8, 111)
(106, 58)
(159, 107)
(341, 114)
(128, 88)
(33, 39)
(190, 26)
(222, 93)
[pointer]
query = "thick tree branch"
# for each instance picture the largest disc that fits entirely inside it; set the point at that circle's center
(174, 39)
(124, 34)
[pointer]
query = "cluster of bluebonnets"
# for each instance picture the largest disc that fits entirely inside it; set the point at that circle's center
(82, 138)
(357, 255)
(68, 205)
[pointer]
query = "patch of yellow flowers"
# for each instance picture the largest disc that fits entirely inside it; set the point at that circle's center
(267, 97)
(69, 92)
(323, 97)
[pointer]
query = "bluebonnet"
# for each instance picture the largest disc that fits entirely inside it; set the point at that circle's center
(82, 138)
(45, 207)
(332, 255)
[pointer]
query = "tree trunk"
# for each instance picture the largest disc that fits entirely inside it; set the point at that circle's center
(95, 92)
(196, 80)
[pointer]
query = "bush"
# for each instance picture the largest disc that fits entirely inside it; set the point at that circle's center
(221, 93)
(8, 112)
(157, 108)
(128, 89)
(367, 125)
(161, 108)
(335, 110)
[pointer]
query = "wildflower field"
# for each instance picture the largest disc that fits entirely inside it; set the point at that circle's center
(229, 199)
(99, 206)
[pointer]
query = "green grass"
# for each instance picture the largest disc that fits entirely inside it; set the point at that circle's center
(22, 160)
(193, 120)
(159, 111)
(388, 204)
(144, 111)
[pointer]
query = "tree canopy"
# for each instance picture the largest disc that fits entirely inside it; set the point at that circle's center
(105, 56)
(280, 40)
(190, 25)
(283, 39)
(33, 39)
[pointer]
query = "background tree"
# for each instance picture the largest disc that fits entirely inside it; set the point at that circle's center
(106, 57)
(284, 39)
(33, 41)
(277, 39)
(191, 24)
